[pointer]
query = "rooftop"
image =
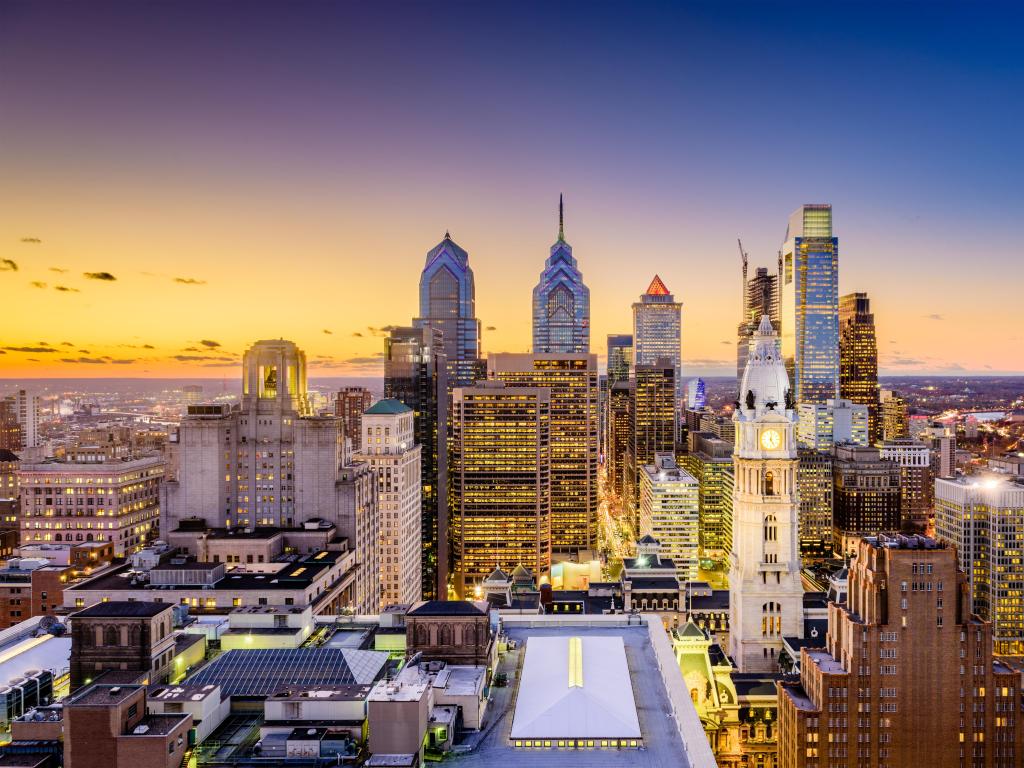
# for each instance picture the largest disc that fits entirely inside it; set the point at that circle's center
(387, 407)
(183, 692)
(122, 609)
(102, 695)
(448, 608)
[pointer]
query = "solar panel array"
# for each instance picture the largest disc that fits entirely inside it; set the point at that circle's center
(263, 672)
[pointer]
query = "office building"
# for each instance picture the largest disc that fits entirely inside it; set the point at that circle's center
(810, 304)
(895, 416)
(10, 429)
(858, 357)
(500, 481)
(349, 405)
(865, 495)
(270, 464)
(561, 302)
(390, 449)
(654, 419)
(573, 426)
(31, 587)
(709, 460)
(115, 501)
(670, 512)
(983, 517)
(696, 395)
(657, 319)
(448, 303)
(25, 405)
(941, 441)
(620, 357)
(620, 438)
(814, 481)
(760, 297)
(416, 373)
(822, 425)
(916, 483)
(765, 591)
(906, 675)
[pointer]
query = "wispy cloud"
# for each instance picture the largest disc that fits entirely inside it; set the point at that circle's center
(7, 265)
(99, 276)
(934, 317)
(65, 289)
(30, 349)
(32, 240)
(490, 328)
(58, 270)
(189, 281)
(89, 360)
(37, 284)
(329, 333)
(209, 343)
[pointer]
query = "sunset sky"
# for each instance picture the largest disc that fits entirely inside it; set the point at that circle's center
(178, 180)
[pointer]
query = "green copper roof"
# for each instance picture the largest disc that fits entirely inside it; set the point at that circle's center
(388, 406)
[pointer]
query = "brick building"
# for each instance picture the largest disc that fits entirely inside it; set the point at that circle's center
(28, 592)
(453, 631)
(131, 636)
(907, 675)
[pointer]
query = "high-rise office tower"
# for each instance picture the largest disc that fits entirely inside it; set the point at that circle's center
(810, 304)
(983, 516)
(269, 463)
(10, 429)
(765, 591)
(25, 405)
(895, 416)
(916, 480)
(865, 495)
(858, 357)
(669, 511)
(571, 379)
(941, 441)
(822, 425)
(500, 481)
(709, 460)
(760, 297)
(620, 357)
(657, 319)
(814, 481)
(416, 373)
(620, 438)
(870, 696)
(654, 420)
(561, 302)
(448, 303)
(349, 405)
(696, 395)
(389, 447)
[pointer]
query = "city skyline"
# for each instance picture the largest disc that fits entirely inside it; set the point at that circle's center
(217, 187)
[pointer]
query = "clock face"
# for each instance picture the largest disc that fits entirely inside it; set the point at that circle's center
(770, 439)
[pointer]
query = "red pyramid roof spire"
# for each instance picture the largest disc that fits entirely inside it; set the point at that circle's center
(657, 288)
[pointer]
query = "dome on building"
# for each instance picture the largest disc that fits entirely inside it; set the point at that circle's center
(765, 376)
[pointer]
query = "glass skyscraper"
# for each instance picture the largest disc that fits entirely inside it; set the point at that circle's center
(656, 328)
(561, 302)
(620, 357)
(858, 357)
(810, 304)
(448, 303)
(760, 297)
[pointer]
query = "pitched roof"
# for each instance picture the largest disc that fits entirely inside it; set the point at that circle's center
(388, 406)
(657, 288)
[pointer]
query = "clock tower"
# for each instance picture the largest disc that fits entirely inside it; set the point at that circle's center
(765, 592)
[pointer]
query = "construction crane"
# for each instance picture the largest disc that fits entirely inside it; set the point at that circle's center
(743, 255)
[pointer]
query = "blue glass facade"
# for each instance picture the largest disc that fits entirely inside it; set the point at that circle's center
(448, 303)
(561, 302)
(810, 305)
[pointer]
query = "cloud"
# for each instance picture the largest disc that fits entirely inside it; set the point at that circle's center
(934, 317)
(490, 328)
(37, 284)
(189, 281)
(65, 289)
(148, 346)
(329, 333)
(84, 351)
(58, 270)
(6, 265)
(727, 343)
(99, 276)
(30, 349)
(905, 361)
(31, 240)
(210, 344)
(708, 361)
(202, 358)
(363, 360)
(121, 361)
(220, 365)
(90, 360)
(357, 335)
(384, 330)
(191, 349)
(66, 344)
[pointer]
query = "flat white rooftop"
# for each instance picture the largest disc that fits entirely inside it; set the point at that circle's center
(575, 687)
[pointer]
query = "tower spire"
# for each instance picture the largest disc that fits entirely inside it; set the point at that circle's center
(561, 218)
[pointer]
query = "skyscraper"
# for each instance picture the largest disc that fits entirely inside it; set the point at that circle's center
(501, 482)
(894, 415)
(620, 438)
(657, 319)
(620, 357)
(810, 304)
(669, 511)
(349, 405)
(10, 429)
(561, 302)
(710, 461)
(389, 447)
(865, 495)
(858, 357)
(448, 303)
(760, 297)
(765, 591)
(416, 373)
(654, 421)
(822, 425)
(572, 382)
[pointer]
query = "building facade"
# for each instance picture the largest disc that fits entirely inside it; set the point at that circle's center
(655, 422)
(500, 481)
(895, 415)
(670, 512)
(572, 382)
(810, 304)
(858, 357)
(865, 496)
(814, 481)
(561, 302)
(390, 450)
(869, 697)
(709, 460)
(657, 320)
(349, 405)
(822, 425)
(765, 591)
(760, 297)
(133, 636)
(620, 357)
(916, 482)
(10, 429)
(416, 373)
(620, 439)
(448, 303)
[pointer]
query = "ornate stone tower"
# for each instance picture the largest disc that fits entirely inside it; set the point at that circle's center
(765, 593)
